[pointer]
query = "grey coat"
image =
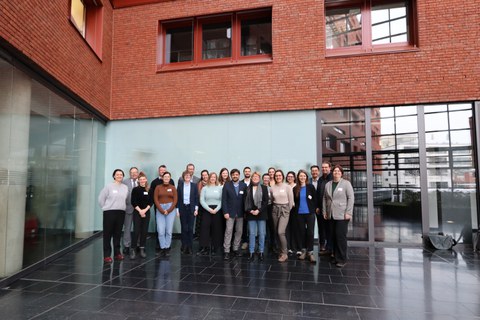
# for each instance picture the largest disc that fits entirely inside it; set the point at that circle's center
(339, 203)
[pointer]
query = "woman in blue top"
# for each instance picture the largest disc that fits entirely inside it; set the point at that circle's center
(304, 214)
(211, 232)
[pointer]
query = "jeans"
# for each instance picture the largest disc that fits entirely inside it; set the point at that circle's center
(165, 226)
(253, 225)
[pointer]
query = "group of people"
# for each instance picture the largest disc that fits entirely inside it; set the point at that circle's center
(220, 207)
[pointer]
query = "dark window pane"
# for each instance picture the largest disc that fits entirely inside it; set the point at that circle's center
(217, 40)
(179, 45)
(344, 27)
(257, 36)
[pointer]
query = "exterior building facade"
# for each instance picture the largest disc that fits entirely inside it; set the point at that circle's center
(388, 89)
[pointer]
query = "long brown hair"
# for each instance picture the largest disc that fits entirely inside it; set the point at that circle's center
(298, 186)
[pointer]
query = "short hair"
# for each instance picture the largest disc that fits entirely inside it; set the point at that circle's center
(190, 164)
(234, 170)
(339, 167)
(166, 172)
(247, 168)
(327, 163)
(184, 173)
(162, 166)
(256, 173)
(265, 175)
(314, 166)
(115, 171)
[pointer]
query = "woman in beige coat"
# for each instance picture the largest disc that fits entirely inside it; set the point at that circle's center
(338, 205)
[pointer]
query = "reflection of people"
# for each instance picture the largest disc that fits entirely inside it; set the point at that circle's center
(282, 200)
(142, 203)
(256, 202)
(165, 199)
(304, 214)
(113, 201)
(187, 208)
(338, 202)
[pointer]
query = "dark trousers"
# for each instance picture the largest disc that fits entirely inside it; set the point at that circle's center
(140, 229)
(305, 230)
(112, 227)
(211, 232)
(340, 230)
(271, 234)
(322, 233)
(187, 220)
(292, 233)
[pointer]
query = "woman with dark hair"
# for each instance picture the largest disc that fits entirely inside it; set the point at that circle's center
(282, 200)
(141, 202)
(271, 174)
(198, 218)
(211, 232)
(113, 201)
(165, 198)
(337, 206)
(304, 215)
(223, 177)
(256, 204)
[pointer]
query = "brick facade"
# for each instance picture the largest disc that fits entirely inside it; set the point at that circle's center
(42, 31)
(126, 83)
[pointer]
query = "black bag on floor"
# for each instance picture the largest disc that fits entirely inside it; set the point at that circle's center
(441, 242)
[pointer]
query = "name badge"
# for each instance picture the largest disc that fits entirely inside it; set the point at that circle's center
(340, 189)
(282, 190)
(115, 191)
(145, 193)
(215, 191)
(241, 192)
(310, 197)
(169, 190)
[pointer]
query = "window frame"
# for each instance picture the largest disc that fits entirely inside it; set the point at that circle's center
(236, 58)
(93, 33)
(367, 47)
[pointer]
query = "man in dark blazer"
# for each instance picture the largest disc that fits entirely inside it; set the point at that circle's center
(131, 183)
(233, 211)
(187, 206)
(324, 227)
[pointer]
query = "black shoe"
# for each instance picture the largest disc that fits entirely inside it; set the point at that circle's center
(162, 253)
(251, 258)
(167, 252)
(188, 250)
(182, 249)
(261, 257)
(237, 253)
(226, 256)
(126, 250)
(200, 253)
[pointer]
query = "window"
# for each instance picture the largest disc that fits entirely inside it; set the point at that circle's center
(226, 39)
(87, 17)
(362, 26)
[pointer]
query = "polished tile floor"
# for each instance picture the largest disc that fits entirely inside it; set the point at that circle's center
(377, 283)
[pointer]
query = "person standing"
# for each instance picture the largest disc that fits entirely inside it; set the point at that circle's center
(190, 168)
(271, 174)
(127, 224)
(188, 210)
(291, 231)
(324, 226)
(337, 206)
(304, 214)
(165, 199)
(113, 201)
(282, 200)
(142, 203)
(271, 234)
(256, 203)
(247, 172)
(233, 211)
(211, 232)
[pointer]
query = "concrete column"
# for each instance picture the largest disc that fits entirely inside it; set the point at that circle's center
(15, 98)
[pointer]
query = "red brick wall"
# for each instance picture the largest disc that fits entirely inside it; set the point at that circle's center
(42, 31)
(445, 68)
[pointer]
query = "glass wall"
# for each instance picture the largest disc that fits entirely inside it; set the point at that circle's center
(343, 143)
(48, 169)
(451, 173)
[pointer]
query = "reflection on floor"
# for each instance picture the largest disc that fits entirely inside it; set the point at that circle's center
(377, 283)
